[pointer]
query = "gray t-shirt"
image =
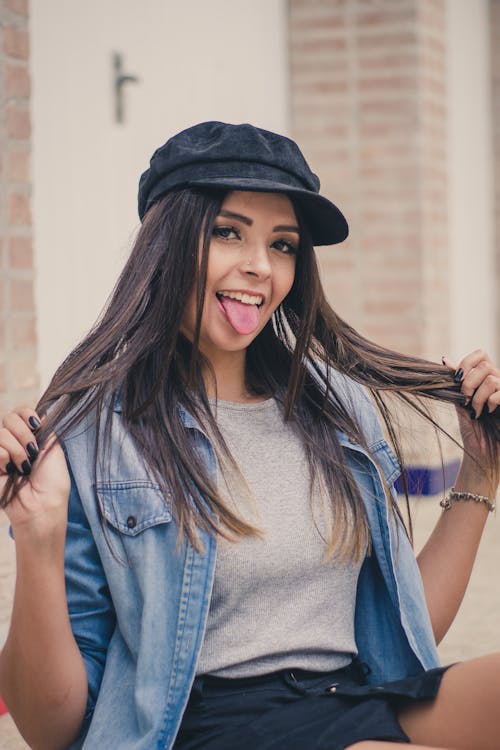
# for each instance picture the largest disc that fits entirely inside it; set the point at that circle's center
(277, 603)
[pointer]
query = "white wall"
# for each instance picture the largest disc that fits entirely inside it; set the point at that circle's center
(471, 178)
(196, 61)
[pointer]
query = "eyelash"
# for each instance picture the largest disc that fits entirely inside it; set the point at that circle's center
(219, 230)
(292, 249)
(223, 232)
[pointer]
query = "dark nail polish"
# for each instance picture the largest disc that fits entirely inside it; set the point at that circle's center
(34, 423)
(32, 451)
(26, 468)
(472, 412)
(10, 468)
(443, 359)
(458, 376)
(464, 400)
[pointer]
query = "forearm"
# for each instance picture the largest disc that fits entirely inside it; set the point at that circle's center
(447, 559)
(42, 674)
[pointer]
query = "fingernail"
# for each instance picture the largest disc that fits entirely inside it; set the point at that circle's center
(472, 412)
(32, 451)
(26, 468)
(443, 359)
(34, 423)
(10, 468)
(464, 400)
(458, 376)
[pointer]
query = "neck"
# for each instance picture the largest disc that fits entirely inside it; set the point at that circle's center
(230, 383)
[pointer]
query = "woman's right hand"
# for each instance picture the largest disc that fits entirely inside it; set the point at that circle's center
(42, 672)
(38, 509)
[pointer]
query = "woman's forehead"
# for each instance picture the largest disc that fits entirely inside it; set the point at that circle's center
(277, 205)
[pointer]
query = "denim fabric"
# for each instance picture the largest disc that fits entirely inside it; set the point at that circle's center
(138, 600)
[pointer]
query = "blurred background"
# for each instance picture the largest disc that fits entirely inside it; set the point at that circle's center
(396, 105)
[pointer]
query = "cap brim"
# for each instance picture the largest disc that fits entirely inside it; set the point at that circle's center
(326, 223)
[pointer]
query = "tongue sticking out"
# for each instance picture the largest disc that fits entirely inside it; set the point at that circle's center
(244, 318)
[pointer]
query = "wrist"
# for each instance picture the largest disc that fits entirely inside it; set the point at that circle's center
(456, 495)
(42, 537)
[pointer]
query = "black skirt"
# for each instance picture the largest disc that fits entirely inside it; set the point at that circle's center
(298, 710)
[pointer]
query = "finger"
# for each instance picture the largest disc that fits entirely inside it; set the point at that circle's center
(493, 402)
(487, 396)
(14, 454)
(473, 359)
(34, 422)
(30, 417)
(479, 384)
(7, 466)
(455, 368)
(17, 439)
(23, 423)
(485, 390)
(470, 372)
(447, 362)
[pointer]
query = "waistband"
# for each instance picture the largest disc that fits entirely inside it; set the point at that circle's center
(356, 671)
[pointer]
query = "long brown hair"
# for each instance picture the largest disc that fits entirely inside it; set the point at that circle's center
(138, 350)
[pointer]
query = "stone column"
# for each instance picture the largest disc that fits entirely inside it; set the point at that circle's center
(369, 108)
(368, 84)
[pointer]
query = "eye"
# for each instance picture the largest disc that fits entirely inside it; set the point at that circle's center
(226, 233)
(285, 246)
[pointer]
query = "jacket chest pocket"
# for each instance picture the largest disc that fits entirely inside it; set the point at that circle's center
(133, 506)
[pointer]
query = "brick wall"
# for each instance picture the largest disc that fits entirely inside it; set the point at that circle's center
(368, 84)
(18, 378)
(495, 83)
(368, 93)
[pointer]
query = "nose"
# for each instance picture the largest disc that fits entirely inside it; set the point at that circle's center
(256, 260)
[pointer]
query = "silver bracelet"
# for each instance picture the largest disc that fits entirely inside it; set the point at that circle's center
(454, 495)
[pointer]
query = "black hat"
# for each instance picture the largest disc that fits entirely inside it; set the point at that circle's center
(242, 157)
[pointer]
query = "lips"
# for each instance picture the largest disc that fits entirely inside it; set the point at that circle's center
(242, 310)
(248, 298)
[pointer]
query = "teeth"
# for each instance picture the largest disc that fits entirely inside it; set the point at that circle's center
(247, 299)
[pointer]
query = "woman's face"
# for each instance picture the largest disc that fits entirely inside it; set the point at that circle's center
(251, 267)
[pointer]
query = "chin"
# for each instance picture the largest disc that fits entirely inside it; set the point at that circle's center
(227, 345)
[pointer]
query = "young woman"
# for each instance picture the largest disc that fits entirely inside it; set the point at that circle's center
(209, 553)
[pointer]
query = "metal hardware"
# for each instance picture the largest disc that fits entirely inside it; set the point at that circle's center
(454, 495)
(119, 80)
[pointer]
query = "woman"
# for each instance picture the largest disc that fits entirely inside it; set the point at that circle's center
(209, 554)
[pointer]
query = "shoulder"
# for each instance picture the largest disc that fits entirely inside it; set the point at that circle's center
(350, 391)
(83, 417)
(357, 400)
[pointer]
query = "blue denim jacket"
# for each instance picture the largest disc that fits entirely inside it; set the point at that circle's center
(138, 600)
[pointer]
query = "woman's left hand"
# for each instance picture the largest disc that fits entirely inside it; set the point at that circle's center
(480, 385)
(447, 559)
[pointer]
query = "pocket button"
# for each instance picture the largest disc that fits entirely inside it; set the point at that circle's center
(131, 522)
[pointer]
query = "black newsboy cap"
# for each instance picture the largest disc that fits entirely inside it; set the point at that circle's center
(241, 157)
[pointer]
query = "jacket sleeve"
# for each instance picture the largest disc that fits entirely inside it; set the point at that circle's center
(90, 607)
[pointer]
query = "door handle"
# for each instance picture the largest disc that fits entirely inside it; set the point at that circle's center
(120, 78)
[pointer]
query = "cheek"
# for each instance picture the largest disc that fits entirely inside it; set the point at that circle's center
(287, 279)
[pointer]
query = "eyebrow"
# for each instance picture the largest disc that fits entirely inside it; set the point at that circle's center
(246, 220)
(286, 228)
